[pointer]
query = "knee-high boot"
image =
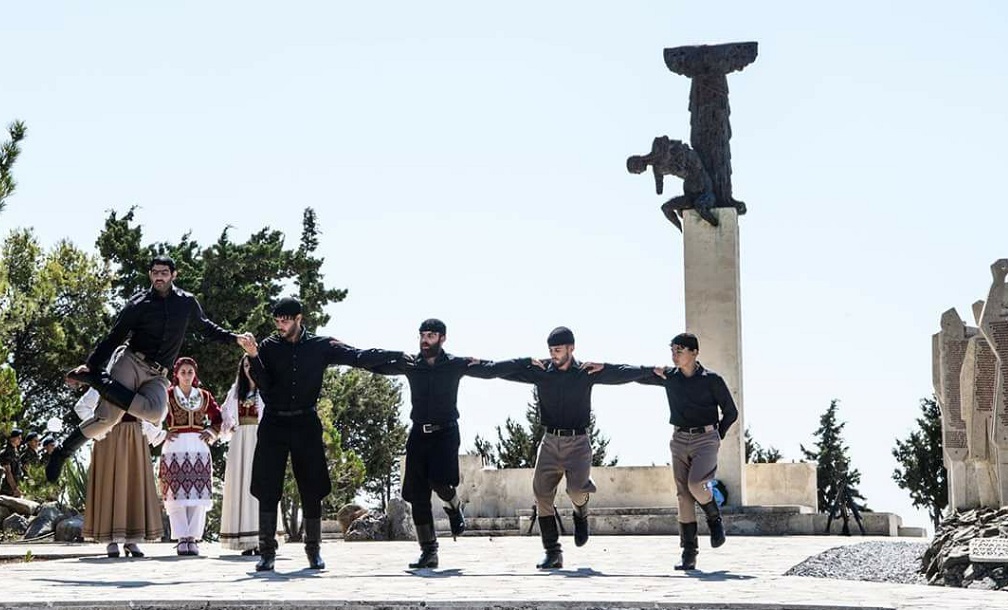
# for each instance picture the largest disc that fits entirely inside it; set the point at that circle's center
(428, 547)
(689, 544)
(551, 543)
(714, 523)
(68, 447)
(313, 543)
(107, 387)
(267, 541)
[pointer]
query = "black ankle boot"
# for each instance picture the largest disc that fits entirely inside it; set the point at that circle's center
(267, 541)
(313, 542)
(456, 520)
(551, 542)
(63, 451)
(688, 542)
(428, 547)
(714, 523)
(108, 388)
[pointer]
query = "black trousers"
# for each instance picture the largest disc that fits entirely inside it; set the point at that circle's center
(431, 466)
(300, 437)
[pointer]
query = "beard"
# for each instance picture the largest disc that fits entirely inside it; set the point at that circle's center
(562, 361)
(430, 351)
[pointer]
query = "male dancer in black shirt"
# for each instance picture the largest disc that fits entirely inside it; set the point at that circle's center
(154, 322)
(433, 443)
(565, 389)
(694, 396)
(288, 369)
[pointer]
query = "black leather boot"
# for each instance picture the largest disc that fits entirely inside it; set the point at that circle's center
(714, 523)
(108, 388)
(581, 525)
(267, 541)
(456, 520)
(428, 547)
(551, 542)
(689, 544)
(63, 451)
(312, 543)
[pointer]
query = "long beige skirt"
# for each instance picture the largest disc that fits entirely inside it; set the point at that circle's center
(240, 510)
(122, 502)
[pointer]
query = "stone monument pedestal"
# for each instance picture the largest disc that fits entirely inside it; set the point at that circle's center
(714, 314)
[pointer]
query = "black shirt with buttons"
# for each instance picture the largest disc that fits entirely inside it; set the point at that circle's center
(289, 374)
(694, 400)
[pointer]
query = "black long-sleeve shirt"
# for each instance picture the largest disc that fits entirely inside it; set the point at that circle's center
(434, 388)
(289, 375)
(694, 400)
(565, 395)
(156, 326)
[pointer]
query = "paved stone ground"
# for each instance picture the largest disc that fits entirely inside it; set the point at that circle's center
(610, 572)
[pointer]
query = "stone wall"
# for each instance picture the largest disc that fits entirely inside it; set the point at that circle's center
(503, 493)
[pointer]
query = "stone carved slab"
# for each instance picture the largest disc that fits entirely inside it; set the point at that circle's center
(977, 382)
(994, 325)
(951, 345)
(988, 550)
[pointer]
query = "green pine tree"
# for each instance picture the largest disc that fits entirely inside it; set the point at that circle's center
(921, 468)
(833, 462)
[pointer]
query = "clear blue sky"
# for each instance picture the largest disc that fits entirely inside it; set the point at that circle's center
(467, 162)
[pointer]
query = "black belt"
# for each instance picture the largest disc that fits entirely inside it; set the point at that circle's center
(290, 413)
(567, 431)
(697, 429)
(154, 365)
(432, 428)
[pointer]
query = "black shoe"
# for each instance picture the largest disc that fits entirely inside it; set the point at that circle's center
(689, 544)
(428, 559)
(63, 451)
(456, 520)
(265, 563)
(131, 548)
(314, 557)
(580, 529)
(552, 560)
(714, 523)
(249, 552)
(112, 549)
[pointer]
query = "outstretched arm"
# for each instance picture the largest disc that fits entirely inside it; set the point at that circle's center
(657, 376)
(507, 369)
(383, 362)
(207, 328)
(618, 374)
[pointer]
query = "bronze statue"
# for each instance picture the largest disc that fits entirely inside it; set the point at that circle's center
(674, 158)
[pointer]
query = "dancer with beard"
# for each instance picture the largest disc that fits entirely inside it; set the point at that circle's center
(288, 368)
(153, 324)
(433, 442)
(564, 388)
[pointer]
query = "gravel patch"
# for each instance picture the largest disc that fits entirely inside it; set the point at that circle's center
(876, 561)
